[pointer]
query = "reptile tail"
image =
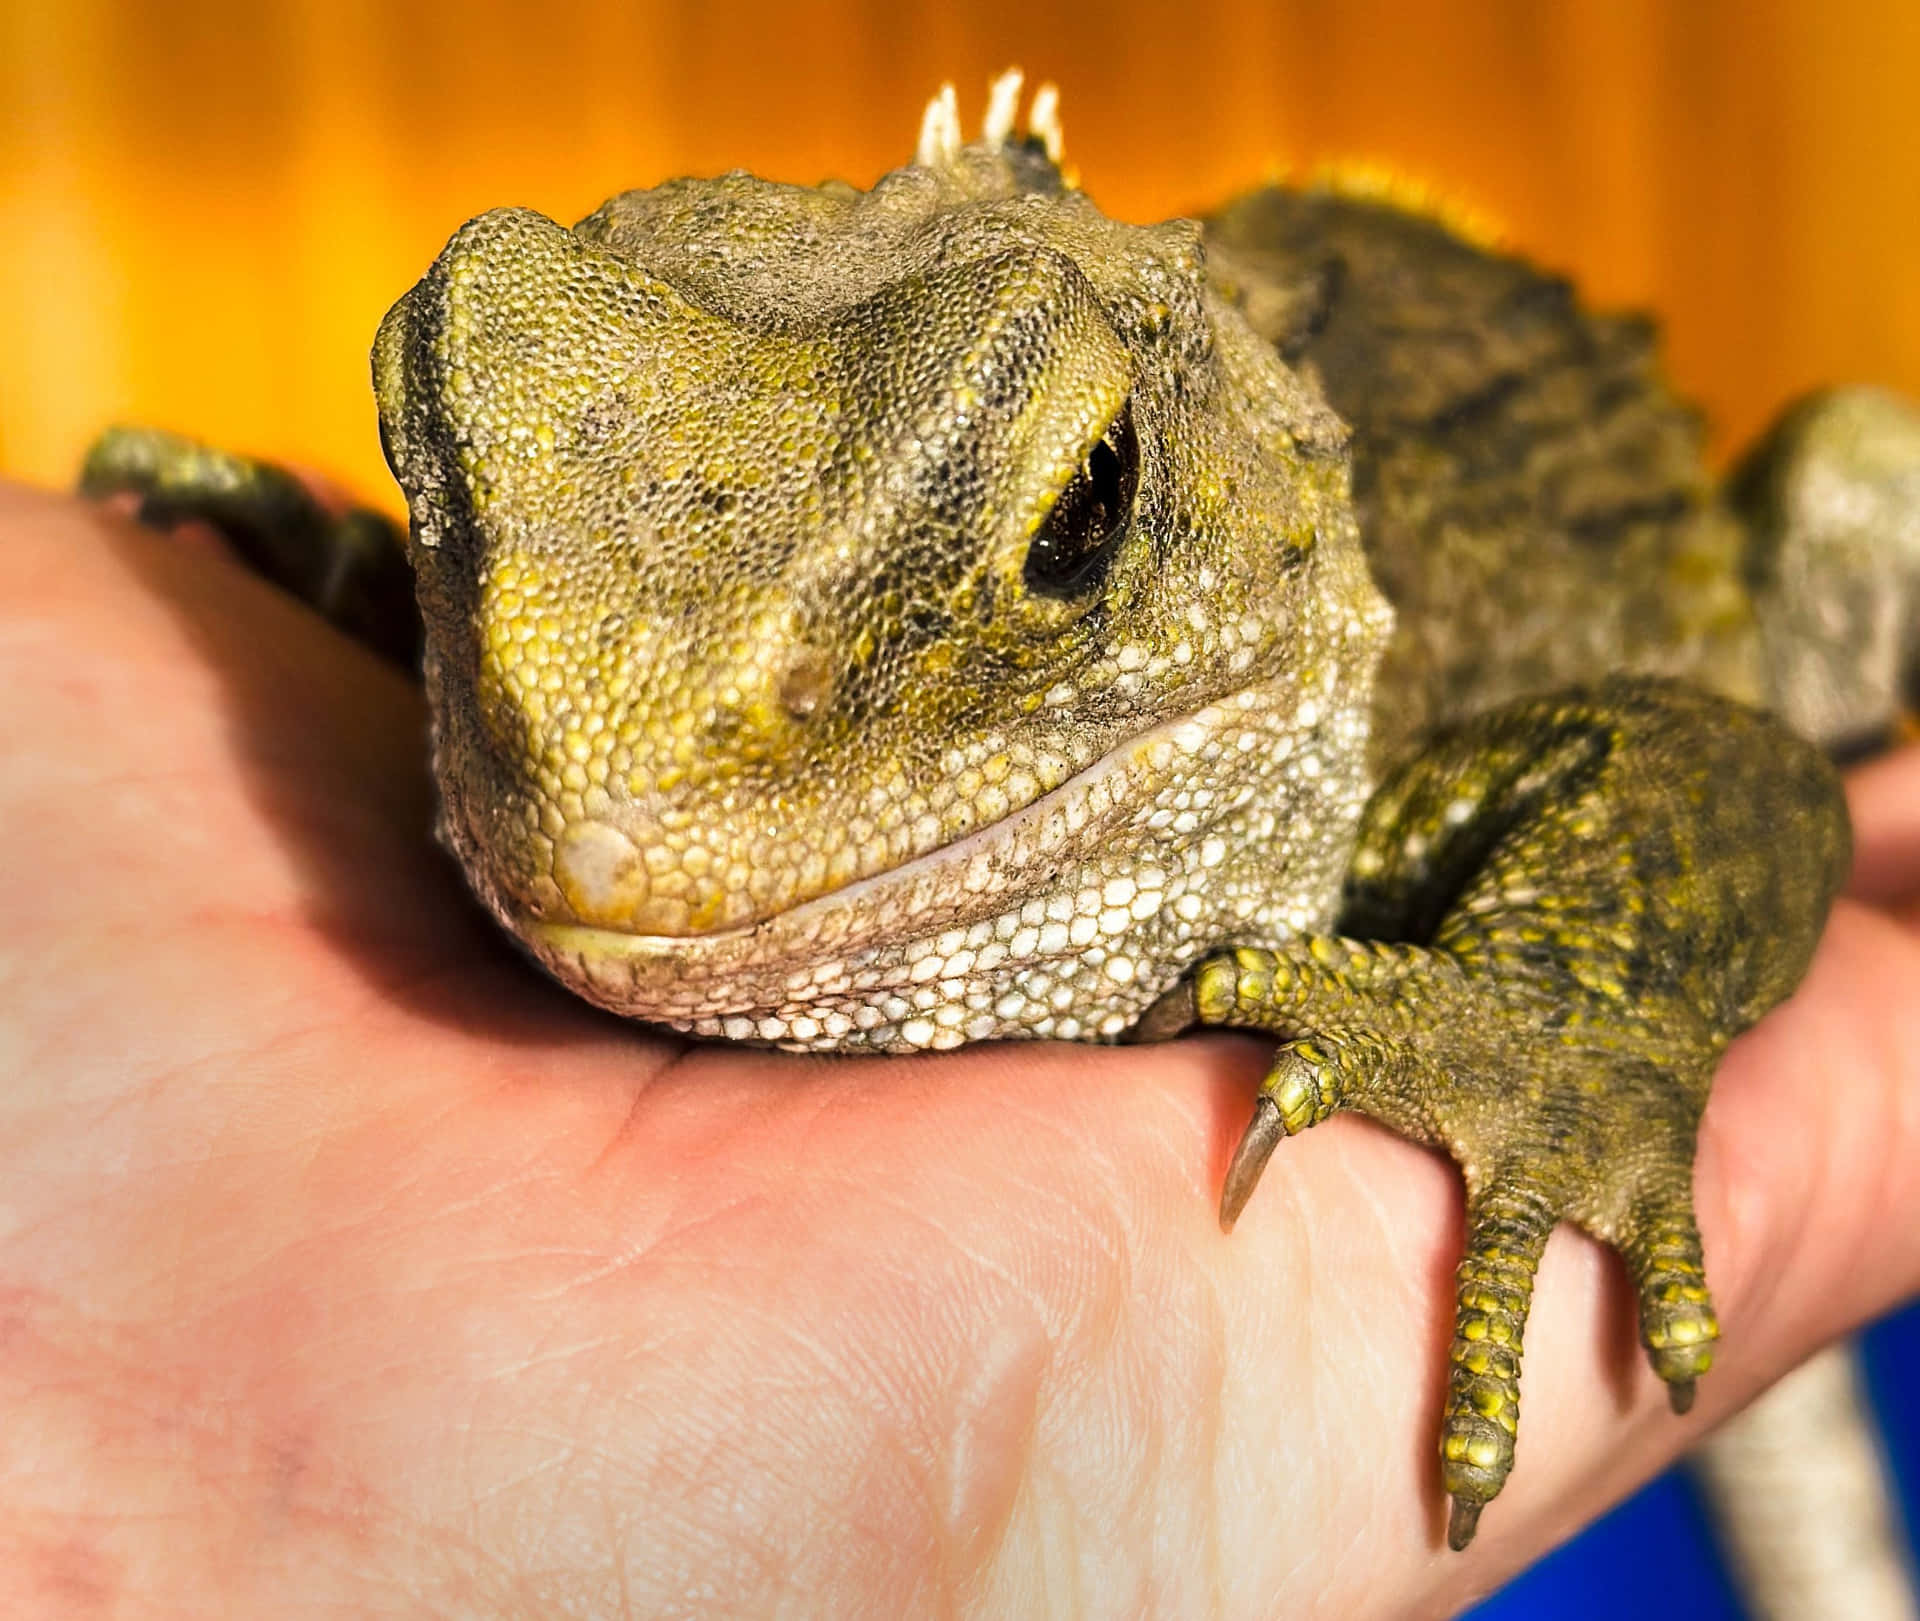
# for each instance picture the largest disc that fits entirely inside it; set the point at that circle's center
(1831, 499)
(1800, 1494)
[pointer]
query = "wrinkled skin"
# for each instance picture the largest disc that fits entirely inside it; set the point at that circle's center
(352, 1269)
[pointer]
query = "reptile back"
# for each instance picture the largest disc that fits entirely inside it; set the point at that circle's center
(1531, 494)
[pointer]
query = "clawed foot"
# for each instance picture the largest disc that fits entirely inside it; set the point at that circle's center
(1583, 919)
(350, 567)
(1546, 1130)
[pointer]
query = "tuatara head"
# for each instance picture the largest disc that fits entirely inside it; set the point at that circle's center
(877, 618)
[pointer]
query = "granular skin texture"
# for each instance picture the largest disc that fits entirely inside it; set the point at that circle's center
(877, 621)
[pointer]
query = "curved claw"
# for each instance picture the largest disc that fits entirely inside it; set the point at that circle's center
(1176, 1011)
(1462, 1522)
(1262, 1136)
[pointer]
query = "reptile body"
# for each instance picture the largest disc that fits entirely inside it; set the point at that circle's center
(882, 620)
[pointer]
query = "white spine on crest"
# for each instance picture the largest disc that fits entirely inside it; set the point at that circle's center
(1043, 121)
(939, 131)
(940, 138)
(1003, 107)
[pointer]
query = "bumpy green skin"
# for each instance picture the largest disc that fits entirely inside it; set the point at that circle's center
(1556, 1035)
(763, 708)
(1533, 498)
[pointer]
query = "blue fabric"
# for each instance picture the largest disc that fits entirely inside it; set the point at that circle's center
(1602, 1573)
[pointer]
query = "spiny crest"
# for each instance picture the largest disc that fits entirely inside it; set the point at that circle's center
(1368, 180)
(940, 138)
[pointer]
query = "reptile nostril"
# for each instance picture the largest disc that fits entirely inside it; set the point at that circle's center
(807, 683)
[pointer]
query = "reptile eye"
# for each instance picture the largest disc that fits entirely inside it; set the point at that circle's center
(1081, 529)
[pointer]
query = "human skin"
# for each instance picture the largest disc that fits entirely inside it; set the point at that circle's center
(349, 1268)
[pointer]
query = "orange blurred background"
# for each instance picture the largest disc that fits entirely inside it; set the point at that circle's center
(206, 207)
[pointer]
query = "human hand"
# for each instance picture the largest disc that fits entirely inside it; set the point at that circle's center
(346, 1266)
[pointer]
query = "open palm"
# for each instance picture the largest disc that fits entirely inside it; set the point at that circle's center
(346, 1266)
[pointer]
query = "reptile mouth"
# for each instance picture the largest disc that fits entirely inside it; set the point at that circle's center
(952, 887)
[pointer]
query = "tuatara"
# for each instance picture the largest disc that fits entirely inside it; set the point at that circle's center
(884, 620)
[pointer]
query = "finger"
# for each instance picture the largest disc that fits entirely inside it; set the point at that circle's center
(1884, 797)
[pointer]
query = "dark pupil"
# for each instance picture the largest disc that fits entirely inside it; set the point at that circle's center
(1091, 514)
